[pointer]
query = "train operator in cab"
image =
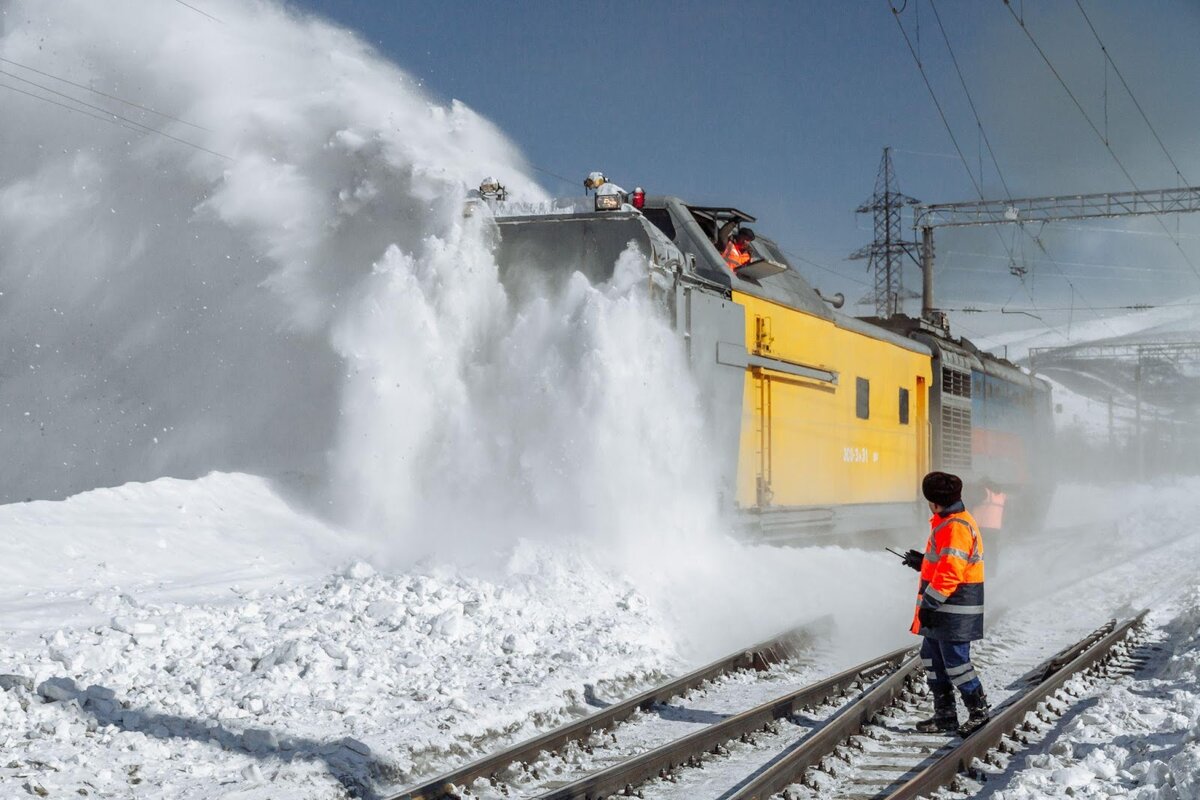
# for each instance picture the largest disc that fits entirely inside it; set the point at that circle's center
(949, 613)
(737, 250)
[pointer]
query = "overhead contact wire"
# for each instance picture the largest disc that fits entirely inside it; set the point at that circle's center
(1029, 35)
(102, 94)
(1108, 57)
(107, 113)
(946, 123)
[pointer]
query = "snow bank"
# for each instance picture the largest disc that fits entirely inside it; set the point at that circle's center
(1139, 739)
(183, 541)
(362, 680)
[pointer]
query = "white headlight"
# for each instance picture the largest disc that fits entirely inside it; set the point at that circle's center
(608, 202)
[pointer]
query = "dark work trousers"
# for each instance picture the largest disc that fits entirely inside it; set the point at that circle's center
(949, 664)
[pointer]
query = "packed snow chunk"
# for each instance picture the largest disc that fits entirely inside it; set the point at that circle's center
(1071, 776)
(125, 625)
(282, 654)
(354, 745)
(10, 682)
(449, 623)
(257, 740)
(359, 570)
(516, 643)
(58, 689)
(253, 774)
(382, 609)
(95, 692)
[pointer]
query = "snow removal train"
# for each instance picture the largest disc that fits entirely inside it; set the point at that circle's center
(824, 423)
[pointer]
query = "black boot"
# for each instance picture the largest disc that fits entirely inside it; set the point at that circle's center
(945, 713)
(978, 712)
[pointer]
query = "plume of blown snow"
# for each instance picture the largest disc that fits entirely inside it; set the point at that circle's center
(167, 309)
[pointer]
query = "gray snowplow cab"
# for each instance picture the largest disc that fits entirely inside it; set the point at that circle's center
(538, 249)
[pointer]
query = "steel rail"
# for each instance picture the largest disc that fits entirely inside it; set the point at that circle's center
(637, 770)
(848, 720)
(947, 768)
(1068, 654)
(771, 651)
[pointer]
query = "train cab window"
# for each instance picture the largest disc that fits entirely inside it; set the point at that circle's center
(862, 398)
(903, 406)
(661, 219)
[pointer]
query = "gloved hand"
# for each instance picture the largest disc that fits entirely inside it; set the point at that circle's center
(924, 616)
(913, 559)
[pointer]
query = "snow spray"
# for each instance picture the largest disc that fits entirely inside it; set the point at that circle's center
(243, 247)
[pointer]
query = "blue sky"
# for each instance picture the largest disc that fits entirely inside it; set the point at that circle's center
(782, 109)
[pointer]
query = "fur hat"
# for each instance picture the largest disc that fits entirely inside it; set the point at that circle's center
(942, 488)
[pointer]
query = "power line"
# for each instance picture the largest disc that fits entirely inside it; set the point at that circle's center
(970, 101)
(950, 131)
(1130, 307)
(96, 91)
(69, 108)
(828, 269)
(1132, 97)
(1064, 276)
(1000, 174)
(1092, 125)
(199, 11)
(105, 111)
(552, 174)
(1093, 265)
(933, 95)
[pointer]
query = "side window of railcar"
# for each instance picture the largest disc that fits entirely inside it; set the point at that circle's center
(903, 406)
(863, 398)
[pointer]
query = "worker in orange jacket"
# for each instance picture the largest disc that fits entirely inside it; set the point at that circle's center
(949, 612)
(988, 510)
(737, 251)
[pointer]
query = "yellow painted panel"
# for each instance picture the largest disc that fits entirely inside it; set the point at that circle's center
(802, 443)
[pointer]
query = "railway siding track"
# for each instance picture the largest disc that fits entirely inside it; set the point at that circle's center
(759, 657)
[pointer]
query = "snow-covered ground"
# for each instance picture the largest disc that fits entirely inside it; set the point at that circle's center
(1138, 738)
(184, 638)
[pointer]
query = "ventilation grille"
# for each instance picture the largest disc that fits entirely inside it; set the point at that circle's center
(956, 437)
(956, 383)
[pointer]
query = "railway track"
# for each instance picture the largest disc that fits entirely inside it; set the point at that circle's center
(760, 657)
(849, 735)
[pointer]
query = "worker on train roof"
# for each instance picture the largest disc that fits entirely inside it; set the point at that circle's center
(737, 250)
(949, 612)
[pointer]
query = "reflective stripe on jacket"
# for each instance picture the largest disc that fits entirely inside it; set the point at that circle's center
(734, 257)
(951, 578)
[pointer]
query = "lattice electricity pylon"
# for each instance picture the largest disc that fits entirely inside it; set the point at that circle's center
(886, 254)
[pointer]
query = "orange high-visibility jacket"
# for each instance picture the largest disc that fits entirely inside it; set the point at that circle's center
(990, 513)
(951, 585)
(735, 257)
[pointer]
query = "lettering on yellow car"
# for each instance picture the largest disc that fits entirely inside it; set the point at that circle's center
(859, 455)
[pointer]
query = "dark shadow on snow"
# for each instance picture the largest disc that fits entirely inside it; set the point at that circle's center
(348, 761)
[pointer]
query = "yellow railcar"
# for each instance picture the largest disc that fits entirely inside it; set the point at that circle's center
(853, 431)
